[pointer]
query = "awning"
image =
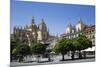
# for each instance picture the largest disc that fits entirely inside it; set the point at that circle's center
(90, 49)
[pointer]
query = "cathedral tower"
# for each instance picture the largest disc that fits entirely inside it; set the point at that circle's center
(80, 26)
(32, 30)
(42, 31)
(69, 29)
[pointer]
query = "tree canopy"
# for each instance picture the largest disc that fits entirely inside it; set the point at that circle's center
(61, 46)
(82, 42)
(38, 48)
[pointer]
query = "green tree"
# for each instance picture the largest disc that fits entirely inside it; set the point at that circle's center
(21, 51)
(61, 47)
(14, 42)
(81, 43)
(71, 47)
(48, 53)
(38, 49)
(13, 45)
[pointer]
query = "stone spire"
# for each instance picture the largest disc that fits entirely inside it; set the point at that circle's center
(69, 25)
(33, 22)
(80, 21)
(80, 25)
(42, 25)
(33, 25)
(14, 30)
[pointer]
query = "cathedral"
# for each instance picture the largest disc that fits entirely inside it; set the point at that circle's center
(32, 33)
(80, 28)
(39, 33)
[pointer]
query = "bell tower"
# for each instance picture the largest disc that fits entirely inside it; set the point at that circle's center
(42, 32)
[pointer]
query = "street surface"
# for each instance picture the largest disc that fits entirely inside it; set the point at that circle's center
(56, 60)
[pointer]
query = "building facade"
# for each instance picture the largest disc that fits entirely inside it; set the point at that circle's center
(39, 33)
(90, 33)
(80, 28)
(31, 33)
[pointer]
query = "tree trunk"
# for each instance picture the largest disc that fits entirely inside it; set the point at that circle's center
(80, 55)
(72, 56)
(38, 58)
(49, 59)
(63, 57)
(84, 54)
(21, 59)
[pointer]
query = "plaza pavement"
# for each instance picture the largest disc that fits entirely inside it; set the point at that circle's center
(56, 60)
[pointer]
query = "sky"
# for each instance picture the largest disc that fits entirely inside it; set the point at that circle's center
(56, 16)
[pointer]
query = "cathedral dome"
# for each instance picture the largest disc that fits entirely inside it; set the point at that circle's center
(80, 26)
(42, 26)
(69, 29)
(32, 26)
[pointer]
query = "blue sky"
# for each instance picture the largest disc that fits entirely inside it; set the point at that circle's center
(56, 16)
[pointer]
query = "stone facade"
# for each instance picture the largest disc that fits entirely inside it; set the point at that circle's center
(31, 33)
(90, 33)
(81, 28)
(39, 33)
